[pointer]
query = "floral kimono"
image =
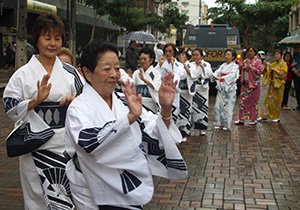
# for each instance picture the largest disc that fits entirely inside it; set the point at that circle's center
(250, 91)
(276, 81)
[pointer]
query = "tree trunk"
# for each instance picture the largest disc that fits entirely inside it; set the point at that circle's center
(96, 18)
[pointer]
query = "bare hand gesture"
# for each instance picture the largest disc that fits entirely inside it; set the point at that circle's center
(141, 74)
(66, 100)
(43, 88)
(166, 94)
(172, 61)
(162, 60)
(134, 102)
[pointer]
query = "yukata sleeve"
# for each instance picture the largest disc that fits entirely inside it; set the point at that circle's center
(110, 144)
(232, 76)
(155, 80)
(15, 104)
(125, 77)
(280, 74)
(160, 146)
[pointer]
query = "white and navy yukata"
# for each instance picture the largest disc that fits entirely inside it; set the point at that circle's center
(42, 172)
(113, 162)
(226, 95)
(187, 85)
(149, 95)
(201, 97)
(178, 70)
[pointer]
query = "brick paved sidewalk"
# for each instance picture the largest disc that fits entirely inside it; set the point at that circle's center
(249, 167)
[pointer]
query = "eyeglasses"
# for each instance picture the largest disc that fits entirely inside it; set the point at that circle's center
(143, 58)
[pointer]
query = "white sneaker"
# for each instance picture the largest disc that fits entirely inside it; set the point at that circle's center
(225, 128)
(184, 139)
(217, 127)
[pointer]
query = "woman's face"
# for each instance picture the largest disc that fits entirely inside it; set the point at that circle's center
(106, 75)
(49, 43)
(228, 56)
(197, 55)
(169, 53)
(65, 58)
(287, 57)
(251, 53)
(277, 56)
(145, 61)
(182, 57)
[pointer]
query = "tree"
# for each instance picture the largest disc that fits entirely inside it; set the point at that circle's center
(261, 16)
(172, 16)
(104, 7)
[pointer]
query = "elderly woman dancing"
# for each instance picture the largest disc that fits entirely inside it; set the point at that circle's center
(114, 144)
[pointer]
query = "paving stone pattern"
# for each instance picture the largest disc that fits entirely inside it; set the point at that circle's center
(246, 168)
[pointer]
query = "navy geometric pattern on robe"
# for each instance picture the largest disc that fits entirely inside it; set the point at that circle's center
(54, 181)
(129, 181)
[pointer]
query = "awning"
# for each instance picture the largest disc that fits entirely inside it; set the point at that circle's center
(41, 7)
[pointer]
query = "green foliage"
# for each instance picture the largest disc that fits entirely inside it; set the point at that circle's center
(172, 16)
(259, 24)
(131, 18)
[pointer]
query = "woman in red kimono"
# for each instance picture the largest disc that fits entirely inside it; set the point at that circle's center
(250, 71)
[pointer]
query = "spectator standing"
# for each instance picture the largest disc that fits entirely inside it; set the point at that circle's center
(250, 71)
(288, 80)
(274, 76)
(158, 52)
(131, 58)
(296, 71)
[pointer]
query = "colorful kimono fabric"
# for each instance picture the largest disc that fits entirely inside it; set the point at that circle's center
(42, 172)
(201, 98)
(117, 160)
(226, 95)
(276, 81)
(250, 90)
(149, 95)
(178, 71)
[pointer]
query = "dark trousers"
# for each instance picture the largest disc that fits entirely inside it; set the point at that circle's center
(285, 98)
(297, 89)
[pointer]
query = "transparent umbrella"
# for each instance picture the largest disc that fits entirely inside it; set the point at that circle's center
(140, 36)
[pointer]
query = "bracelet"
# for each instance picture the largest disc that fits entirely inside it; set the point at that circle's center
(166, 118)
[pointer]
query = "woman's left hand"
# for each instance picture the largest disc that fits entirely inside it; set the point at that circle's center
(66, 100)
(141, 74)
(134, 102)
(166, 94)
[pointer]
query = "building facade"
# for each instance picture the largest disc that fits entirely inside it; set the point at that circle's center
(84, 22)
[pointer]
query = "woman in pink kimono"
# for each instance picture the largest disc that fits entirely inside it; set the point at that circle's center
(250, 71)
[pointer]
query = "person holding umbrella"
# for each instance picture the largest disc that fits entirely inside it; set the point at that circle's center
(131, 57)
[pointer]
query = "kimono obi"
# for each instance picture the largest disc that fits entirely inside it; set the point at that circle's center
(222, 75)
(202, 81)
(143, 90)
(52, 113)
(183, 84)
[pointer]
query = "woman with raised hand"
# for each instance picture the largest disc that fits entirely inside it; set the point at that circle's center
(114, 145)
(37, 97)
(169, 63)
(274, 76)
(250, 71)
(147, 80)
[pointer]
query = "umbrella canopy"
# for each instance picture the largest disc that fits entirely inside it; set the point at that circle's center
(140, 36)
(290, 41)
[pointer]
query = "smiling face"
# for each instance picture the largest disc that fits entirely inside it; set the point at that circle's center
(228, 56)
(49, 44)
(169, 53)
(277, 56)
(106, 74)
(197, 55)
(251, 53)
(145, 61)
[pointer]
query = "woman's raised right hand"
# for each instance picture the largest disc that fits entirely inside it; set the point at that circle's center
(43, 88)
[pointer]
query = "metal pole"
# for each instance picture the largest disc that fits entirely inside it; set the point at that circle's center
(200, 12)
(73, 30)
(21, 43)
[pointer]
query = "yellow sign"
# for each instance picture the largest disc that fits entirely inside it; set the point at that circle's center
(41, 7)
(214, 55)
